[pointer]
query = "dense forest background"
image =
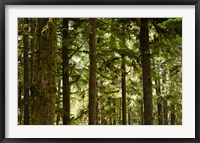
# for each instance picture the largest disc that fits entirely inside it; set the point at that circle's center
(99, 71)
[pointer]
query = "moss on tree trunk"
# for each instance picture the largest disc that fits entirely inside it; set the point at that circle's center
(44, 85)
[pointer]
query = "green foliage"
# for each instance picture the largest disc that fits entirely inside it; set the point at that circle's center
(115, 37)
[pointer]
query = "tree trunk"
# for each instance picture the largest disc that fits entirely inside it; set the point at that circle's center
(20, 102)
(129, 116)
(146, 71)
(65, 64)
(159, 102)
(123, 78)
(141, 111)
(44, 85)
(26, 73)
(32, 62)
(172, 114)
(58, 101)
(114, 111)
(92, 74)
(165, 111)
(165, 108)
(120, 112)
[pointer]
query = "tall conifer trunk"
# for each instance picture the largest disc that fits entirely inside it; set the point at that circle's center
(123, 84)
(92, 74)
(44, 85)
(146, 71)
(65, 64)
(26, 73)
(159, 102)
(172, 114)
(165, 107)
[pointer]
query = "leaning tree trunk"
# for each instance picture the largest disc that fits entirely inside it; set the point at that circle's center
(65, 64)
(92, 74)
(146, 71)
(26, 73)
(44, 84)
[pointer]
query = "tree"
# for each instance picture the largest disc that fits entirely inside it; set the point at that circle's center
(44, 85)
(100, 71)
(92, 74)
(65, 67)
(146, 71)
(26, 72)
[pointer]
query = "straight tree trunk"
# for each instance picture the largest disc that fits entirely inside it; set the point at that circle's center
(159, 102)
(97, 111)
(20, 103)
(32, 62)
(123, 78)
(65, 67)
(141, 111)
(58, 101)
(165, 108)
(44, 85)
(146, 71)
(129, 116)
(120, 112)
(165, 111)
(114, 111)
(92, 74)
(26, 73)
(172, 114)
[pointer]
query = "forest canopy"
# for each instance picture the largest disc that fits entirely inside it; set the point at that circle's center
(99, 71)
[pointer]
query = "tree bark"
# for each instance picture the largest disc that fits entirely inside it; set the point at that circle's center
(165, 108)
(32, 62)
(92, 74)
(165, 111)
(26, 73)
(172, 114)
(141, 111)
(114, 111)
(58, 103)
(44, 85)
(123, 84)
(159, 102)
(146, 71)
(65, 67)
(20, 103)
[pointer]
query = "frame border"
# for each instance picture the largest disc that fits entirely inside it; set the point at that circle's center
(3, 4)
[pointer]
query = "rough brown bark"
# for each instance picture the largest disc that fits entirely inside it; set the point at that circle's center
(65, 64)
(44, 85)
(123, 86)
(146, 71)
(26, 72)
(92, 74)
(32, 62)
